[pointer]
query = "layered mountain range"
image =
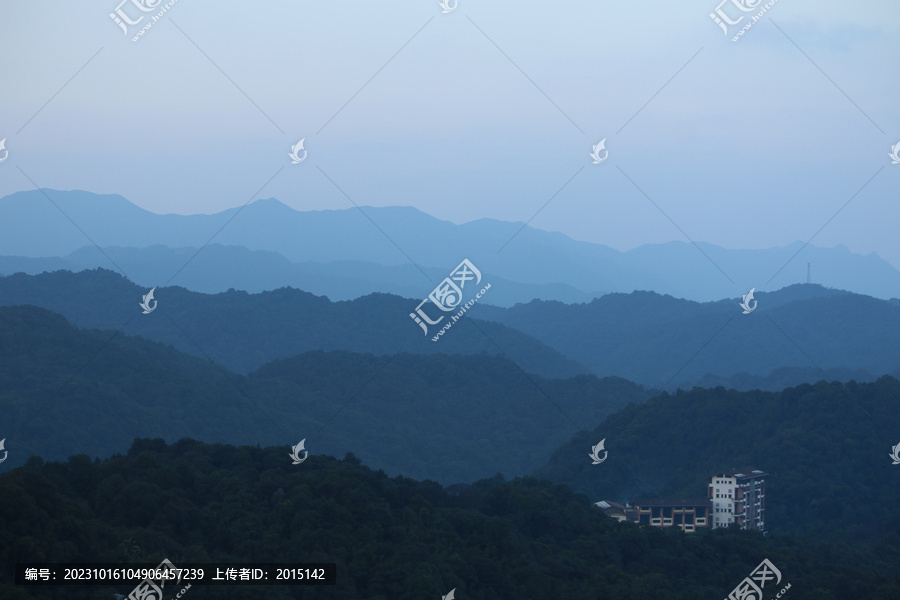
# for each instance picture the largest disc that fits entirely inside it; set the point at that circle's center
(351, 252)
(799, 334)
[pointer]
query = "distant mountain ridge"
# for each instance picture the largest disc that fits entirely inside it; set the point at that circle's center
(800, 334)
(663, 342)
(31, 227)
(219, 268)
(243, 331)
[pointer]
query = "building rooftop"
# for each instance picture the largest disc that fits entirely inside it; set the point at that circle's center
(744, 473)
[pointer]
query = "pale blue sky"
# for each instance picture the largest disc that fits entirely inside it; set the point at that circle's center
(749, 146)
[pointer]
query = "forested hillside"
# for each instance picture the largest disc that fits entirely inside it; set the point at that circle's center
(391, 538)
(449, 418)
(825, 446)
(456, 419)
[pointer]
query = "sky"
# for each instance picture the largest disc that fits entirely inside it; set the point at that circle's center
(487, 111)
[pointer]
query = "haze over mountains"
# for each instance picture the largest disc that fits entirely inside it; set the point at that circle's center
(516, 390)
(272, 193)
(805, 332)
(220, 268)
(345, 253)
(449, 418)
(242, 331)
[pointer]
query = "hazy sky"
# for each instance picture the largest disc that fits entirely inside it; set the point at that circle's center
(486, 111)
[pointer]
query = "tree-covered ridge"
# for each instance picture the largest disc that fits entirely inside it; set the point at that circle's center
(825, 447)
(455, 418)
(391, 538)
(653, 339)
(244, 331)
(449, 418)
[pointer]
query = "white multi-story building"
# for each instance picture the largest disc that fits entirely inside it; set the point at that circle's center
(739, 496)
